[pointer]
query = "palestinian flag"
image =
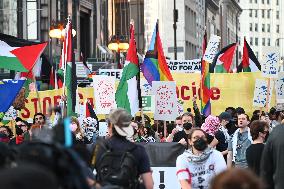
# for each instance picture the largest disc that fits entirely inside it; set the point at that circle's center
(223, 60)
(14, 56)
(68, 65)
(249, 61)
(127, 93)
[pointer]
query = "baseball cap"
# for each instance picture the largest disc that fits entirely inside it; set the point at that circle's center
(225, 115)
(121, 120)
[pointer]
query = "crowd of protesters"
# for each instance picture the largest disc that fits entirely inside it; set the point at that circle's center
(212, 145)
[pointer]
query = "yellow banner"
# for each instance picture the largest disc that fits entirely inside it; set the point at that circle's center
(234, 90)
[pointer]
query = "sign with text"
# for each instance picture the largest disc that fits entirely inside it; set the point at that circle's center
(185, 66)
(111, 72)
(269, 67)
(165, 100)
(104, 92)
(279, 88)
(148, 104)
(260, 93)
(212, 48)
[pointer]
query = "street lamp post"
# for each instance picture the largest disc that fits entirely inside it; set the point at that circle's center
(118, 44)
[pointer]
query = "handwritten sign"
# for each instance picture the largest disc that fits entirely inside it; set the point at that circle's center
(104, 90)
(212, 48)
(270, 65)
(165, 100)
(260, 93)
(279, 88)
(146, 88)
(185, 66)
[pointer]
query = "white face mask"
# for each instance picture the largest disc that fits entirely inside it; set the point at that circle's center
(73, 127)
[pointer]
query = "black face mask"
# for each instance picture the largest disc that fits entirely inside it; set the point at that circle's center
(187, 126)
(200, 144)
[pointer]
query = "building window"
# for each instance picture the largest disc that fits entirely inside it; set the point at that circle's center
(251, 41)
(263, 41)
(250, 1)
(277, 42)
(263, 13)
(277, 14)
(268, 42)
(256, 27)
(256, 41)
(263, 28)
(277, 28)
(268, 2)
(250, 13)
(268, 27)
(256, 54)
(268, 13)
(255, 13)
(277, 2)
(255, 1)
(262, 1)
(32, 19)
(250, 26)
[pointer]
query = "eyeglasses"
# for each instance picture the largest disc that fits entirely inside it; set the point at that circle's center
(21, 125)
(265, 132)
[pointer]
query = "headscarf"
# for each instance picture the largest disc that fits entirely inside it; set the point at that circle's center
(211, 125)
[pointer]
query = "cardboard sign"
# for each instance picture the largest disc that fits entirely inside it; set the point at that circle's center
(212, 48)
(269, 67)
(165, 177)
(185, 66)
(165, 100)
(260, 93)
(104, 90)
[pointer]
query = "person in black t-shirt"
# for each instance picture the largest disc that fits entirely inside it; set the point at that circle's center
(182, 136)
(259, 131)
(222, 138)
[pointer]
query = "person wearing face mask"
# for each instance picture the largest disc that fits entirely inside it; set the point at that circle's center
(259, 132)
(182, 136)
(76, 130)
(200, 163)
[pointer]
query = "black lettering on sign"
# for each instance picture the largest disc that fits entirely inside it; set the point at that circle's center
(162, 180)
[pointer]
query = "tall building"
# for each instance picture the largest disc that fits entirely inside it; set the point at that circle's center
(222, 19)
(261, 22)
(190, 26)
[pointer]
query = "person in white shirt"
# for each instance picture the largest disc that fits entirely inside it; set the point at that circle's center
(200, 163)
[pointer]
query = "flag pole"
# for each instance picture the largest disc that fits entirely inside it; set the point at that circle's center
(37, 94)
(267, 96)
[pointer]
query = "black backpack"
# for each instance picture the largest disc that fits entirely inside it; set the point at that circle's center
(117, 168)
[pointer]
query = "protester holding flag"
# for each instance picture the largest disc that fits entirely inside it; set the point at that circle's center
(199, 164)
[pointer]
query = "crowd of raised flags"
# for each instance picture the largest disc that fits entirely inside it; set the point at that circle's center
(22, 58)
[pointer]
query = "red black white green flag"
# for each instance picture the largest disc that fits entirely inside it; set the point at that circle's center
(249, 60)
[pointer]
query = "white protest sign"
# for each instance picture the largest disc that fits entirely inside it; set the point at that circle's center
(269, 67)
(103, 128)
(260, 93)
(111, 72)
(146, 88)
(212, 48)
(165, 100)
(185, 66)
(279, 88)
(165, 177)
(104, 93)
